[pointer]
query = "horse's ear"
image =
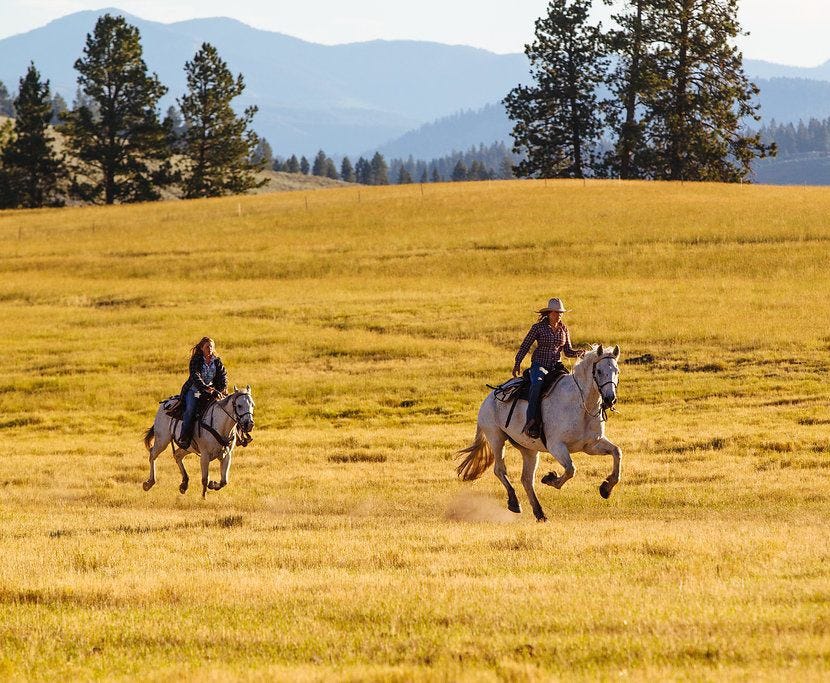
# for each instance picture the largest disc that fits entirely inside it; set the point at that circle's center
(617, 351)
(248, 389)
(599, 350)
(235, 389)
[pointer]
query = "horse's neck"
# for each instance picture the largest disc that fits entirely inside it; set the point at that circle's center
(219, 414)
(588, 388)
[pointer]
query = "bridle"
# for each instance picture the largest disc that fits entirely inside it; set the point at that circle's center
(601, 413)
(244, 437)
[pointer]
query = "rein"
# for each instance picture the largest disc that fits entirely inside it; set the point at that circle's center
(244, 437)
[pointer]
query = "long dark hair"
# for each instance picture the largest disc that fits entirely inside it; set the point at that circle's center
(198, 348)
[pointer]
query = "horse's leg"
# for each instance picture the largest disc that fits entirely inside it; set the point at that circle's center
(204, 459)
(605, 447)
(496, 439)
(179, 454)
(563, 456)
(225, 466)
(161, 439)
(530, 461)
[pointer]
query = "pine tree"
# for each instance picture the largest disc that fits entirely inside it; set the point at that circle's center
(218, 143)
(459, 173)
(363, 172)
(704, 97)
(174, 125)
(404, 177)
(631, 82)
(263, 155)
(557, 122)
(30, 170)
(59, 108)
(424, 176)
(304, 166)
(292, 165)
(436, 176)
(318, 168)
(331, 170)
(380, 171)
(120, 149)
(6, 103)
(346, 170)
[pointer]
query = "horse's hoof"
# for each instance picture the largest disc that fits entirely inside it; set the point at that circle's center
(605, 490)
(147, 485)
(183, 487)
(550, 479)
(513, 506)
(542, 519)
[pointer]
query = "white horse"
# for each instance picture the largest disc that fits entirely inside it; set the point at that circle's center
(574, 418)
(231, 418)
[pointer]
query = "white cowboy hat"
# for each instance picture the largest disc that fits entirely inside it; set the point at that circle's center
(554, 305)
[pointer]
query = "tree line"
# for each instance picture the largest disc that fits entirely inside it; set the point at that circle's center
(795, 139)
(115, 147)
(660, 95)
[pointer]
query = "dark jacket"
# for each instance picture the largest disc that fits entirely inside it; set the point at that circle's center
(220, 379)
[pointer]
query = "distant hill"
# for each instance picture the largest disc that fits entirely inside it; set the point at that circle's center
(757, 68)
(792, 99)
(343, 98)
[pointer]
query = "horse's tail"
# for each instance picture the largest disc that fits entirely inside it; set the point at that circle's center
(149, 438)
(479, 458)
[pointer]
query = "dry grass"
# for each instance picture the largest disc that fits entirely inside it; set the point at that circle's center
(368, 324)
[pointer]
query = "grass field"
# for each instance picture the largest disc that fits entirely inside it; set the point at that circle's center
(367, 322)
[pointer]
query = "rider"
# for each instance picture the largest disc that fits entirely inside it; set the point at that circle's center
(208, 379)
(552, 338)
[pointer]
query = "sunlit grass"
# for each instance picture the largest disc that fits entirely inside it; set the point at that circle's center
(367, 322)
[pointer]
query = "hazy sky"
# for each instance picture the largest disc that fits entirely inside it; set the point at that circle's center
(785, 31)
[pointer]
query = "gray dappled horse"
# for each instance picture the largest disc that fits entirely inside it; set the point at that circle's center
(574, 418)
(231, 418)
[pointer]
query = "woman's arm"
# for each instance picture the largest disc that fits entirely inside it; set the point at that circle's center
(530, 337)
(220, 381)
(567, 349)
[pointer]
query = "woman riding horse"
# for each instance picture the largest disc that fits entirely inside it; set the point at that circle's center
(208, 379)
(552, 339)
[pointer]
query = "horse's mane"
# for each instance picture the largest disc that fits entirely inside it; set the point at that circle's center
(583, 365)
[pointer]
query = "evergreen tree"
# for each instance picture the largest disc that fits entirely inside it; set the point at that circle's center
(363, 172)
(6, 104)
(331, 170)
(404, 177)
(380, 171)
(120, 148)
(459, 172)
(174, 125)
(292, 165)
(304, 166)
(557, 122)
(319, 166)
(424, 176)
(262, 155)
(697, 112)
(59, 108)
(631, 82)
(278, 165)
(436, 177)
(346, 171)
(30, 171)
(218, 143)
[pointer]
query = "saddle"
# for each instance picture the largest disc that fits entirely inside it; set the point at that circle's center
(518, 388)
(174, 405)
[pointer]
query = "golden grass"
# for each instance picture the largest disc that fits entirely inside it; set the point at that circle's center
(367, 322)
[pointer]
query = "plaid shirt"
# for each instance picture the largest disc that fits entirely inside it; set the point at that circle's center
(549, 344)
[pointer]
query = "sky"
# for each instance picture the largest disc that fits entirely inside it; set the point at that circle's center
(790, 32)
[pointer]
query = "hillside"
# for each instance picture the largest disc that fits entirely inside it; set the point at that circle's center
(342, 98)
(368, 322)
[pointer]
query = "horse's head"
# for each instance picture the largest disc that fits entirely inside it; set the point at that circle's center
(243, 408)
(606, 374)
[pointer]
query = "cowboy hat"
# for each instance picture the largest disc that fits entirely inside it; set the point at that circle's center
(554, 305)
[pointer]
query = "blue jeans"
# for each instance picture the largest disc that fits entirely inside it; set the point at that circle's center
(189, 417)
(537, 376)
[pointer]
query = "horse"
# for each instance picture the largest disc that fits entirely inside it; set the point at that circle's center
(228, 420)
(574, 418)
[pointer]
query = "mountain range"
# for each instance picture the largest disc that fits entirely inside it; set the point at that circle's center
(401, 97)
